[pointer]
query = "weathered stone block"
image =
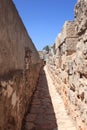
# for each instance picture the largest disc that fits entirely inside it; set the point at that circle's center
(68, 31)
(71, 45)
(81, 58)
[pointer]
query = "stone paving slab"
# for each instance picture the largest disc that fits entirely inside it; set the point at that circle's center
(47, 111)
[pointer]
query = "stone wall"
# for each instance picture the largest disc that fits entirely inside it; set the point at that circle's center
(19, 67)
(68, 67)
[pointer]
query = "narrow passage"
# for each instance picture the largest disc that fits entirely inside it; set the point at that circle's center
(47, 110)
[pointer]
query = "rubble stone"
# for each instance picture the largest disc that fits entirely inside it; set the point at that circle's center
(69, 74)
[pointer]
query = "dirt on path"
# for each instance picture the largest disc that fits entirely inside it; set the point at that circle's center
(47, 111)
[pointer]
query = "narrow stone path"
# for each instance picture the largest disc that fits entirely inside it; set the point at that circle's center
(47, 110)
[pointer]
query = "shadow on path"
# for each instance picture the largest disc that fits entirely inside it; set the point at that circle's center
(41, 115)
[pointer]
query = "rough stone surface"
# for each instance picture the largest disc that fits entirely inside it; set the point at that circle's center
(47, 111)
(68, 30)
(68, 67)
(81, 16)
(19, 71)
(19, 68)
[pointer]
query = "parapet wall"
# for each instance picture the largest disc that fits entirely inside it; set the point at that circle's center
(68, 67)
(13, 40)
(19, 68)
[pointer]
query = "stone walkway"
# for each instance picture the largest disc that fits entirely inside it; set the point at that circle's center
(47, 110)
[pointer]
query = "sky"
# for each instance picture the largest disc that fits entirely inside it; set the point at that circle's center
(44, 19)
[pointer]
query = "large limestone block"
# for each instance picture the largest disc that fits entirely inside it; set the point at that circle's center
(68, 31)
(81, 58)
(71, 44)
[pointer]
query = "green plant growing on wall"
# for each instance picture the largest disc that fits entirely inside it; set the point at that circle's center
(46, 48)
